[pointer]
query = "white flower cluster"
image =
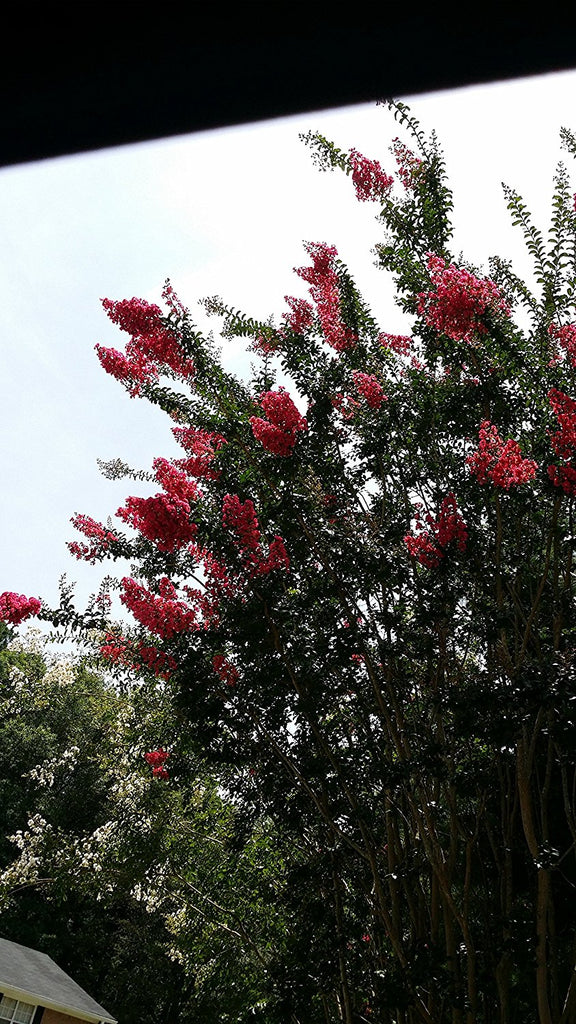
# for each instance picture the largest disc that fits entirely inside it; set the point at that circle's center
(61, 673)
(45, 774)
(25, 870)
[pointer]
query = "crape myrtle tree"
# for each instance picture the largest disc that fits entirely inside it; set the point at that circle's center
(357, 585)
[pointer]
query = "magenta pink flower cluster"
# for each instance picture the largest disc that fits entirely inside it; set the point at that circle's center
(227, 672)
(408, 164)
(345, 405)
(564, 441)
(278, 433)
(325, 292)
(499, 462)
(163, 519)
(301, 315)
(152, 347)
(430, 544)
(398, 343)
(202, 447)
(370, 181)
(15, 608)
(157, 761)
(101, 538)
(175, 481)
(164, 614)
(370, 388)
(266, 346)
(565, 338)
(120, 651)
(240, 518)
(459, 302)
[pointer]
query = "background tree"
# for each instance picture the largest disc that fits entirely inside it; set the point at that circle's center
(358, 582)
(156, 898)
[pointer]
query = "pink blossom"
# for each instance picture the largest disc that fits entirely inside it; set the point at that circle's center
(345, 405)
(429, 546)
(499, 461)
(163, 519)
(409, 165)
(225, 670)
(370, 388)
(120, 651)
(162, 613)
(172, 301)
(152, 347)
(240, 518)
(266, 346)
(564, 441)
(132, 372)
(278, 433)
(175, 481)
(301, 315)
(565, 337)
(277, 557)
(325, 292)
(157, 760)
(459, 302)
(370, 181)
(202, 447)
(98, 534)
(16, 608)
(135, 316)
(398, 343)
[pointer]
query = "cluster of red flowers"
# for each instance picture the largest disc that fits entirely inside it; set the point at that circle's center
(565, 337)
(398, 343)
(278, 432)
(325, 292)
(370, 181)
(132, 371)
(345, 405)
(157, 760)
(301, 315)
(407, 162)
(163, 519)
(228, 673)
(100, 537)
(172, 301)
(175, 481)
(370, 388)
(240, 518)
(15, 608)
(499, 461)
(120, 651)
(217, 578)
(163, 613)
(265, 346)
(564, 441)
(459, 301)
(152, 346)
(429, 545)
(201, 446)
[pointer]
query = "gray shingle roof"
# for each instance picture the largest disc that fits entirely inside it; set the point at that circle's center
(37, 975)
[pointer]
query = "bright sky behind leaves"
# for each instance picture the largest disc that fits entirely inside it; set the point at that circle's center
(221, 212)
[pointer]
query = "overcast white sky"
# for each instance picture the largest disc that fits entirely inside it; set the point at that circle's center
(222, 212)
